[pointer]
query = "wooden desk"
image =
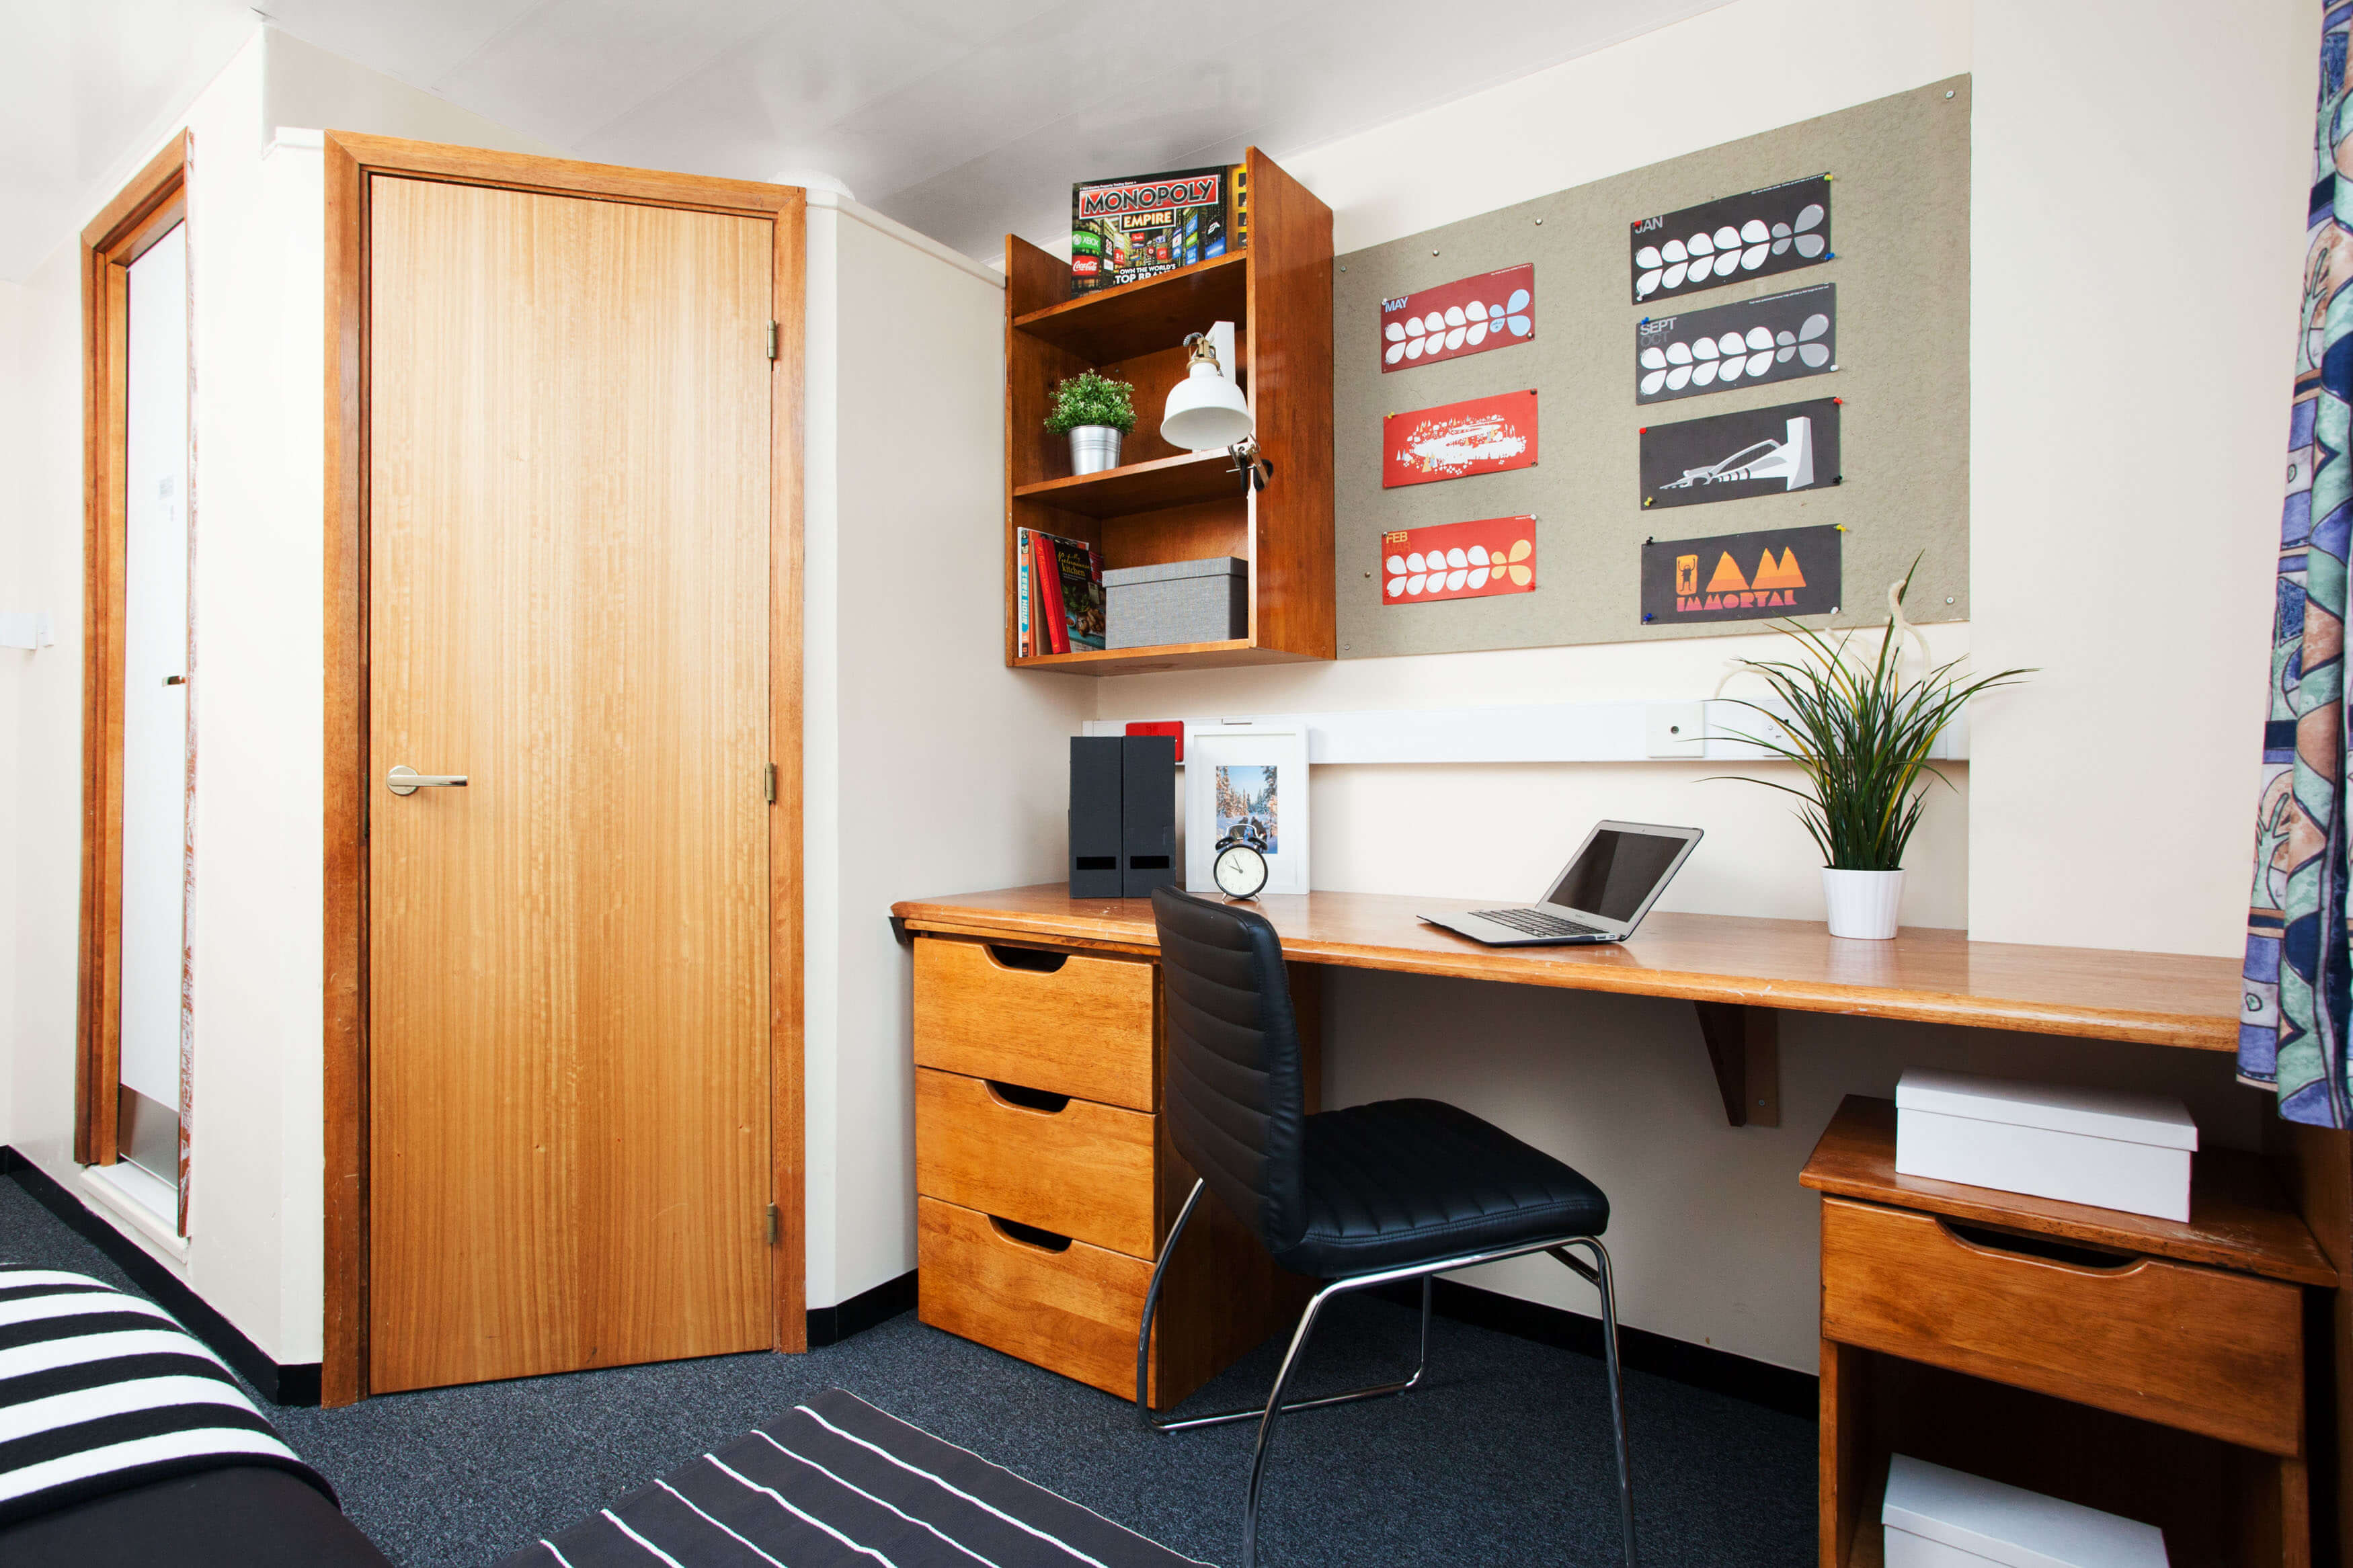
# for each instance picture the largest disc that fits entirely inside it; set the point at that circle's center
(1741, 974)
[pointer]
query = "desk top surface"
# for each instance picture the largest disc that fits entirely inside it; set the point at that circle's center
(1923, 976)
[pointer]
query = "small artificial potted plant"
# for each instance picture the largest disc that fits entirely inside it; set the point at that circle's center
(1094, 411)
(1862, 734)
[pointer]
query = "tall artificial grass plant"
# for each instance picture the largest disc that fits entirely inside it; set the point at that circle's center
(1862, 734)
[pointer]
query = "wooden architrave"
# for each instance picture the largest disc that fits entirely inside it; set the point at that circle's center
(352, 160)
(141, 213)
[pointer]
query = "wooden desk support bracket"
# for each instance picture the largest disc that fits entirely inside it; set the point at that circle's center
(1743, 1045)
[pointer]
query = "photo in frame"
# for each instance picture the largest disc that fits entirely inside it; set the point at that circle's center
(1245, 785)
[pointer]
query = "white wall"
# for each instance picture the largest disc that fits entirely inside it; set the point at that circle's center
(2127, 527)
(18, 594)
(928, 770)
(256, 223)
(2127, 409)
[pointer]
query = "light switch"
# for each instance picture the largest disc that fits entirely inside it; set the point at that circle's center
(1675, 729)
(25, 629)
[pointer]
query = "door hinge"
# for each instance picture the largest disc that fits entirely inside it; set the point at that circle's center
(771, 340)
(772, 783)
(776, 1225)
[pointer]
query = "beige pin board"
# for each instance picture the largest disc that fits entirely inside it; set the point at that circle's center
(1897, 256)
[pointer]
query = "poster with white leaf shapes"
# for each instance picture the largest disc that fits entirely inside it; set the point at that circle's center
(1753, 235)
(1777, 338)
(1468, 316)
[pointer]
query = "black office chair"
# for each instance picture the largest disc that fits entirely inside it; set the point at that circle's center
(1399, 1190)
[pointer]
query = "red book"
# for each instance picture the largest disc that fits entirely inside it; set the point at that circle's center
(1048, 628)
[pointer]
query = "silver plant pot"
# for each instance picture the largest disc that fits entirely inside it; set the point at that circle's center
(1093, 448)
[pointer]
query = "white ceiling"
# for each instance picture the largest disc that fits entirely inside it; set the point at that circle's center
(83, 85)
(962, 118)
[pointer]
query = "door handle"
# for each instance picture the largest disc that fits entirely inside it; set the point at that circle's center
(406, 780)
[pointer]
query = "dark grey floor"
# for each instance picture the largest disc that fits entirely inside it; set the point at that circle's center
(1503, 1456)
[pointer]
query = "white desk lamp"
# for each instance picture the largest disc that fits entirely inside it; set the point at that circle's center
(1207, 411)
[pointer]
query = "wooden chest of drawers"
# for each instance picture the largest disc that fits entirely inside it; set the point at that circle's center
(1045, 1181)
(2147, 1368)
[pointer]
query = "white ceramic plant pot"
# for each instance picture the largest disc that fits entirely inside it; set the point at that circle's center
(1863, 904)
(1093, 448)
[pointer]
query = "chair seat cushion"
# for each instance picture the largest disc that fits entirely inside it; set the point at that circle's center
(1402, 1182)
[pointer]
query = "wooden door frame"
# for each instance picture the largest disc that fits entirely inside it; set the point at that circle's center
(141, 213)
(352, 160)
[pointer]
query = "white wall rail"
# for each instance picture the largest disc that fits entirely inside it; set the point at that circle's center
(1706, 730)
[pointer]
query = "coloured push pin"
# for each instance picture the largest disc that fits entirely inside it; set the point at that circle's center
(1647, 618)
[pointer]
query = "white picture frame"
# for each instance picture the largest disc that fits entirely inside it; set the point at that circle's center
(1265, 800)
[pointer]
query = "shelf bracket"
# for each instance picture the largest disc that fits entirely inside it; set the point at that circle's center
(1744, 1046)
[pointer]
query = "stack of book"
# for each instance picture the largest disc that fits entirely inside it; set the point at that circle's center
(1059, 593)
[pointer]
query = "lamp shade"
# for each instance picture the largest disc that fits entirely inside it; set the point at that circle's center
(1205, 410)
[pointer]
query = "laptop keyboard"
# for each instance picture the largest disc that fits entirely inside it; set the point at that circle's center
(1535, 922)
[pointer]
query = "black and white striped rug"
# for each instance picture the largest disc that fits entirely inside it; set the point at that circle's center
(100, 1390)
(834, 1483)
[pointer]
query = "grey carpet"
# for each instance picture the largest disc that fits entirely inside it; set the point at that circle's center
(1503, 1456)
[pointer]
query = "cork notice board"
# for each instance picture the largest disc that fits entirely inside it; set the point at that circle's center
(1900, 221)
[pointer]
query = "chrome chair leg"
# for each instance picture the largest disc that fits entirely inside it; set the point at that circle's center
(1152, 1305)
(1274, 1407)
(1597, 1273)
(1600, 1275)
(1253, 1412)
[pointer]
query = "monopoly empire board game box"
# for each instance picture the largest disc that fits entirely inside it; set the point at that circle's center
(1135, 227)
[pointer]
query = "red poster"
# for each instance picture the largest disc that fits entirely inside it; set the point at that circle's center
(1459, 561)
(1483, 435)
(1493, 310)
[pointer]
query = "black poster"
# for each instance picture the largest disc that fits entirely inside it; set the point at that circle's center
(1742, 576)
(1753, 235)
(1777, 338)
(1732, 456)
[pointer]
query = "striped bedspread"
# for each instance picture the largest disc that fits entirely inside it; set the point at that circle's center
(101, 1390)
(837, 1483)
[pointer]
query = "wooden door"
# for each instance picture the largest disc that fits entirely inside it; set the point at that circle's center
(568, 425)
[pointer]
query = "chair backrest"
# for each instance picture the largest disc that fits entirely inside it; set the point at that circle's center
(1232, 1089)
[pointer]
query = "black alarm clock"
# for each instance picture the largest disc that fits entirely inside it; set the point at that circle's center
(1239, 869)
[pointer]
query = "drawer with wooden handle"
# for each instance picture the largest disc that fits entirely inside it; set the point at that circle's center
(1053, 1302)
(1063, 1023)
(2200, 1348)
(1067, 1165)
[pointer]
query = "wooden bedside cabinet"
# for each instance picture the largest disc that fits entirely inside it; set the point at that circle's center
(2152, 1369)
(1044, 1181)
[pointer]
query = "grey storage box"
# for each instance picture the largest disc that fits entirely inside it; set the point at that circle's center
(1179, 602)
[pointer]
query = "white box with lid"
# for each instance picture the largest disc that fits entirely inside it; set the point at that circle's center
(2104, 1147)
(1936, 1518)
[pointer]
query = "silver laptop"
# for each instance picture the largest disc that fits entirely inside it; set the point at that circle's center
(1609, 885)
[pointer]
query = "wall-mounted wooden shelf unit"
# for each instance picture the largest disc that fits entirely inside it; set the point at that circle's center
(1163, 504)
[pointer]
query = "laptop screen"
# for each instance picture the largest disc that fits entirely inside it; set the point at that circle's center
(1615, 873)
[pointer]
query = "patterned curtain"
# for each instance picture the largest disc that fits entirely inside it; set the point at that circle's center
(2299, 968)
